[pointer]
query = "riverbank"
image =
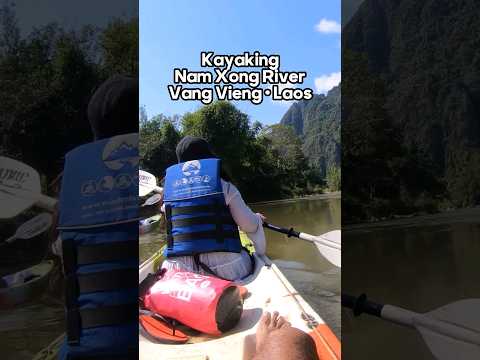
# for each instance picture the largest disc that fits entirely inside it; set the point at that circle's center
(460, 216)
(328, 195)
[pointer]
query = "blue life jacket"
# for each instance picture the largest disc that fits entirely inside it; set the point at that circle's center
(99, 231)
(198, 220)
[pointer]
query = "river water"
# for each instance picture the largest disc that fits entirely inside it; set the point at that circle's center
(419, 264)
(27, 328)
(313, 277)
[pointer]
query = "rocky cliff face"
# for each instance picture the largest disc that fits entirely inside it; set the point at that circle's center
(349, 7)
(317, 123)
(428, 55)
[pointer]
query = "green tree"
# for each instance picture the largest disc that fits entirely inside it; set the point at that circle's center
(285, 151)
(334, 178)
(228, 132)
(119, 42)
(48, 77)
(383, 174)
(158, 140)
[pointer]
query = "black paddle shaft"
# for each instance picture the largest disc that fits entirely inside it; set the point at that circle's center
(289, 232)
(361, 305)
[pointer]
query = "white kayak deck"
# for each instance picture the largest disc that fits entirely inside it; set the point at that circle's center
(268, 290)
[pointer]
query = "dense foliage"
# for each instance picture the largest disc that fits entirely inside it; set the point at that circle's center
(423, 54)
(48, 77)
(263, 162)
(385, 177)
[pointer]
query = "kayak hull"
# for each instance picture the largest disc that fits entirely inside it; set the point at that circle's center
(269, 291)
(27, 291)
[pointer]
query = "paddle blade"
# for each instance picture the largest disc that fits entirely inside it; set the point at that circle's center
(334, 256)
(147, 183)
(328, 244)
(152, 200)
(18, 182)
(452, 331)
(35, 226)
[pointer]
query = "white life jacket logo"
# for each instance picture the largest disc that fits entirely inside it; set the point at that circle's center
(107, 183)
(121, 150)
(191, 168)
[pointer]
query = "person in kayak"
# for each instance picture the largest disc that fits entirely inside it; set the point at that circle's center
(210, 246)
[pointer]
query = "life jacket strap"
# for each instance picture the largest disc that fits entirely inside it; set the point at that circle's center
(199, 264)
(75, 255)
(187, 210)
(205, 267)
(106, 252)
(219, 221)
(205, 235)
(78, 319)
(100, 281)
(168, 217)
(200, 220)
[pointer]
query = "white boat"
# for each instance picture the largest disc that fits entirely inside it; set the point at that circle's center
(269, 290)
(26, 284)
(147, 225)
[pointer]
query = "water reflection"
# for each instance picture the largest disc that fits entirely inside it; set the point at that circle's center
(420, 264)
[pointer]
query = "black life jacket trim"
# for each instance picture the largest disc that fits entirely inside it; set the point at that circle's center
(99, 253)
(107, 280)
(188, 210)
(200, 220)
(109, 315)
(212, 234)
(78, 319)
(168, 217)
(106, 252)
(76, 284)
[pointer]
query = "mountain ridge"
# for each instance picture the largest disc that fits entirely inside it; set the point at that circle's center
(317, 123)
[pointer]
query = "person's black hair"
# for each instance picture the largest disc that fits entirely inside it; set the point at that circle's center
(113, 108)
(195, 148)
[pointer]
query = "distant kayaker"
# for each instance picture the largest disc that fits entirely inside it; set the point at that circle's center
(204, 227)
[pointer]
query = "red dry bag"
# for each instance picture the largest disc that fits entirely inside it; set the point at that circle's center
(204, 303)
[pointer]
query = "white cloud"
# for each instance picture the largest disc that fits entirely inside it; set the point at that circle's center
(324, 83)
(326, 26)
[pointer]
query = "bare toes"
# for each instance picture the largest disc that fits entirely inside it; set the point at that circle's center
(266, 319)
(280, 322)
(273, 323)
(285, 324)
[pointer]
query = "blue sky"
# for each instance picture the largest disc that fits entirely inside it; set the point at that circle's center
(306, 34)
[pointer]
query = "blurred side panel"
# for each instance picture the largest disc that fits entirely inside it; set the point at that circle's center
(68, 91)
(410, 165)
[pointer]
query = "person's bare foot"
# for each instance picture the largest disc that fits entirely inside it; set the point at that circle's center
(269, 323)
